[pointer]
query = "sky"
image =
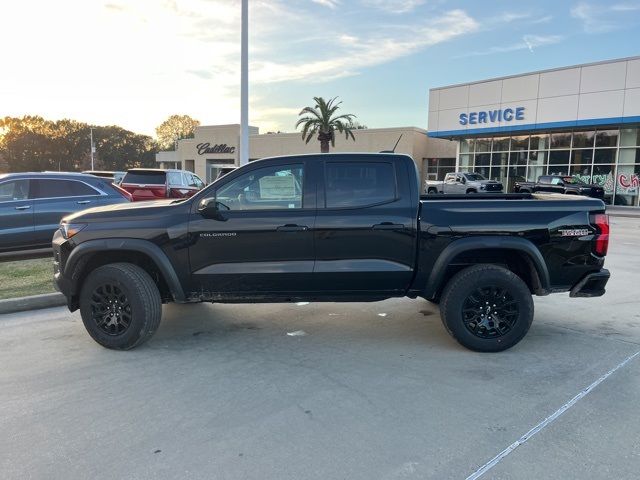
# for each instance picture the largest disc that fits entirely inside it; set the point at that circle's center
(133, 63)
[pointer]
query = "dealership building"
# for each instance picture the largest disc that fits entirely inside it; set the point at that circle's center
(215, 147)
(582, 121)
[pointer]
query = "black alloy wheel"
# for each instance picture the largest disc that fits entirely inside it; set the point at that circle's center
(110, 309)
(490, 312)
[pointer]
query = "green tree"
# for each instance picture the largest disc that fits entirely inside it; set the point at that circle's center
(176, 127)
(320, 121)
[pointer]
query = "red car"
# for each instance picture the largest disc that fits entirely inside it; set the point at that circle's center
(155, 183)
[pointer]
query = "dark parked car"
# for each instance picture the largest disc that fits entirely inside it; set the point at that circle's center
(560, 184)
(156, 183)
(32, 204)
(342, 227)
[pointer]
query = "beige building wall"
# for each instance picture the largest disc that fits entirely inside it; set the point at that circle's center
(216, 146)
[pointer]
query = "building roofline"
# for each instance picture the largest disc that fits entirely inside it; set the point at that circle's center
(363, 130)
(537, 72)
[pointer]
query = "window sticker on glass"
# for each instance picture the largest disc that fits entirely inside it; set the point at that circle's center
(277, 187)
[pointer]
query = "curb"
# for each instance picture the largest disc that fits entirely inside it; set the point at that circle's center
(34, 302)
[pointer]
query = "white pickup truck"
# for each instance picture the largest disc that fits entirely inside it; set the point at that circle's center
(462, 183)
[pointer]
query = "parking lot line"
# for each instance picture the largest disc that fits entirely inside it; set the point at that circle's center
(547, 421)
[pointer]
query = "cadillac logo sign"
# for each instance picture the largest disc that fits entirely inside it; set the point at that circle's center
(218, 148)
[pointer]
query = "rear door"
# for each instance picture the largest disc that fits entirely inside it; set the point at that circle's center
(364, 235)
(56, 198)
(16, 215)
(262, 242)
(449, 185)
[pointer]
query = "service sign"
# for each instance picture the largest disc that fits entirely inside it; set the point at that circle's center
(492, 116)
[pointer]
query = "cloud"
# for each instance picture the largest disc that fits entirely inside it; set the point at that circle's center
(327, 3)
(528, 42)
(394, 6)
(602, 17)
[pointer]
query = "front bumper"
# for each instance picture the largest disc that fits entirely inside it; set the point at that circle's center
(592, 285)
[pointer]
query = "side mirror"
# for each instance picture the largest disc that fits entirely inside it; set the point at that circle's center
(209, 208)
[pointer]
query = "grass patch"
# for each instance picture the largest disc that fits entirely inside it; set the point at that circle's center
(26, 277)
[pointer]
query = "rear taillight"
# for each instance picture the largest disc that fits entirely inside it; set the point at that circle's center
(601, 222)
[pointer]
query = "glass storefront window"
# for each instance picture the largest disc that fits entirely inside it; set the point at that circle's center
(630, 137)
(484, 171)
(582, 157)
(483, 159)
(515, 174)
(627, 185)
(537, 158)
(539, 142)
(629, 155)
(583, 139)
(501, 144)
(559, 157)
(466, 145)
(499, 174)
(560, 140)
(499, 158)
(607, 138)
(604, 175)
(466, 160)
(558, 170)
(520, 143)
(518, 157)
(583, 172)
(604, 155)
(483, 145)
(533, 173)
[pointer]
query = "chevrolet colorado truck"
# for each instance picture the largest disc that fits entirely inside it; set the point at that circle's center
(332, 227)
(564, 184)
(463, 182)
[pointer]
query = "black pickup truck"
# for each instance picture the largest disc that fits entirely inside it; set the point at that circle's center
(560, 184)
(338, 227)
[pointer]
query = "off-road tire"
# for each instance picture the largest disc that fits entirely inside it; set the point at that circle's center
(463, 285)
(144, 305)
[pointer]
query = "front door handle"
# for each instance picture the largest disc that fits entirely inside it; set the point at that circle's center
(388, 226)
(24, 207)
(290, 227)
(83, 202)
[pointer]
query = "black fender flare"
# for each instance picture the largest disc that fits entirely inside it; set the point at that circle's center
(455, 248)
(130, 244)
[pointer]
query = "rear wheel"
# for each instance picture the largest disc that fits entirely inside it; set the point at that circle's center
(486, 308)
(120, 306)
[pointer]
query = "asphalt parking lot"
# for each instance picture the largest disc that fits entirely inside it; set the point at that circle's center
(359, 391)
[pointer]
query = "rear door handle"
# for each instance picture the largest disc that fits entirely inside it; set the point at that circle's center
(289, 227)
(388, 226)
(24, 207)
(83, 202)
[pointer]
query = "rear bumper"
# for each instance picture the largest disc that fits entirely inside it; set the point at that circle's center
(592, 285)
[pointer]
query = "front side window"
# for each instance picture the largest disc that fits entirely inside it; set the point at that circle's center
(268, 188)
(14, 190)
(359, 184)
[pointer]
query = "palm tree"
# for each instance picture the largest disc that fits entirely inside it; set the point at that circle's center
(320, 120)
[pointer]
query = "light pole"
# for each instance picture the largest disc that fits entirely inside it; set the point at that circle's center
(244, 84)
(93, 148)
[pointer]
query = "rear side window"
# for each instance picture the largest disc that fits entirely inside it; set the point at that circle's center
(544, 180)
(175, 178)
(359, 184)
(53, 188)
(145, 177)
(14, 190)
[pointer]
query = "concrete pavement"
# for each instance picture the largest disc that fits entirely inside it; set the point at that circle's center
(223, 392)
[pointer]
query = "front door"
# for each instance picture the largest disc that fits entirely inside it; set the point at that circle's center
(365, 229)
(262, 239)
(16, 215)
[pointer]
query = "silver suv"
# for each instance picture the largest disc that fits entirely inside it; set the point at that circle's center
(462, 183)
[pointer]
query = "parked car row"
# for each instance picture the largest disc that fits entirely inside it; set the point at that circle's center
(32, 204)
(463, 183)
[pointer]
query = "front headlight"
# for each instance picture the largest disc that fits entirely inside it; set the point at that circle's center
(68, 230)
(482, 187)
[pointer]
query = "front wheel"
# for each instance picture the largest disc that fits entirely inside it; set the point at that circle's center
(120, 306)
(486, 308)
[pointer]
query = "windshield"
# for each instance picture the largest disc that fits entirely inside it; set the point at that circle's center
(573, 181)
(474, 177)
